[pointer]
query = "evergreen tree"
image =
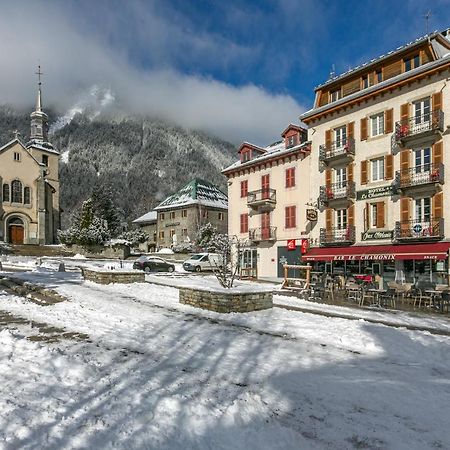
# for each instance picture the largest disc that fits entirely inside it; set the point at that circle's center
(105, 207)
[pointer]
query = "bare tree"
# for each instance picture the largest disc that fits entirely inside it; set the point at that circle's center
(229, 250)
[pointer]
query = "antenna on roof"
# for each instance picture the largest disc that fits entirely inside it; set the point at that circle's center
(427, 18)
(332, 72)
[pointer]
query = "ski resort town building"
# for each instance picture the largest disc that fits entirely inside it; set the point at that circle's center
(147, 223)
(181, 215)
(268, 191)
(29, 180)
(380, 166)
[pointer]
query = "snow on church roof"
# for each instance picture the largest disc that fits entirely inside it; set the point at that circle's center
(198, 192)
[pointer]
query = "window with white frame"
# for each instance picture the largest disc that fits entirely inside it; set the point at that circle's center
(422, 109)
(373, 214)
(341, 219)
(335, 95)
(377, 169)
(340, 136)
(422, 209)
(377, 124)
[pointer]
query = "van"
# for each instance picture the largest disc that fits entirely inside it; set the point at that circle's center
(202, 261)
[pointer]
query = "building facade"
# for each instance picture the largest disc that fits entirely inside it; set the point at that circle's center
(147, 223)
(181, 215)
(381, 166)
(268, 191)
(29, 180)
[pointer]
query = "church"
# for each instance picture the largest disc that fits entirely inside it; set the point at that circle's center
(29, 180)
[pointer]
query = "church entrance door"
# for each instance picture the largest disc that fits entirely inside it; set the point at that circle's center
(16, 231)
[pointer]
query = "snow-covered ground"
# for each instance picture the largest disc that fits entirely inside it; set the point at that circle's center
(156, 374)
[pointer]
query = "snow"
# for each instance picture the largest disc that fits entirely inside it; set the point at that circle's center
(65, 157)
(161, 375)
(165, 251)
(149, 217)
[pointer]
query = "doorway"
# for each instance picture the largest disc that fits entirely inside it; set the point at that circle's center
(16, 231)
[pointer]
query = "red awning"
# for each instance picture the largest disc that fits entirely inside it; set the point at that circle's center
(438, 250)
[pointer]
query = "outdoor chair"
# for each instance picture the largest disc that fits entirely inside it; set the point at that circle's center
(422, 298)
(445, 299)
(389, 298)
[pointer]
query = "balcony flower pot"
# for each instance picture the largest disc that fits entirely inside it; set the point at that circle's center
(329, 193)
(435, 175)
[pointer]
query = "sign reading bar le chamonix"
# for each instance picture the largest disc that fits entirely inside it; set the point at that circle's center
(381, 191)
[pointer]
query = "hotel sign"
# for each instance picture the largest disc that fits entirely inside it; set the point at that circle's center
(375, 235)
(382, 191)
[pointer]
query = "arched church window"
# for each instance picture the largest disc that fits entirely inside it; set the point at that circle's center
(27, 196)
(6, 192)
(16, 191)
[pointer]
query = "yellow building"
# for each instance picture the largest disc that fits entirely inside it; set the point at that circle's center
(29, 180)
(380, 157)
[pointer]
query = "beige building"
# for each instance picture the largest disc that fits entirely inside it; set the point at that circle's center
(29, 179)
(268, 190)
(380, 158)
(147, 223)
(181, 215)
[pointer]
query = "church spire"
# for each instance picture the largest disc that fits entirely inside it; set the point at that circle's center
(39, 120)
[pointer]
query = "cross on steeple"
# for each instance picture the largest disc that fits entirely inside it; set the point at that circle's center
(39, 73)
(427, 19)
(16, 134)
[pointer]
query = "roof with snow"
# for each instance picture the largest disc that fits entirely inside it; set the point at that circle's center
(275, 149)
(40, 145)
(196, 192)
(149, 217)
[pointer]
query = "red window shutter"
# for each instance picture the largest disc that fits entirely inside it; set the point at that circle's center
(290, 213)
(290, 177)
(244, 188)
(244, 223)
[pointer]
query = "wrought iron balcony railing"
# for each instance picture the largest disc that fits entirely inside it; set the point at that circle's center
(415, 230)
(419, 176)
(336, 149)
(419, 125)
(262, 234)
(344, 190)
(262, 197)
(337, 236)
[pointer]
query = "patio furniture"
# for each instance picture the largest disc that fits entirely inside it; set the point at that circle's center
(388, 298)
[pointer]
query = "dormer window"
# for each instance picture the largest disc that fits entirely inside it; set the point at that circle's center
(412, 62)
(379, 75)
(365, 81)
(246, 156)
(335, 95)
(291, 141)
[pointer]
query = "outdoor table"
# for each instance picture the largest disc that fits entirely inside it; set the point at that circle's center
(377, 293)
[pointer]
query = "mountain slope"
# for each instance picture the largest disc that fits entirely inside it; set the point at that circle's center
(144, 160)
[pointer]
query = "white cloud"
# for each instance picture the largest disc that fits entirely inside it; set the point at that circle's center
(75, 58)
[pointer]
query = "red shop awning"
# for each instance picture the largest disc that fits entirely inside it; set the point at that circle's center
(434, 251)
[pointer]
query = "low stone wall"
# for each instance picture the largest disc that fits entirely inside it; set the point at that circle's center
(114, 276)
(100, 251)
(226, 302)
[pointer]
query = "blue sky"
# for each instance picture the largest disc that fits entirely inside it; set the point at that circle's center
(241, 69)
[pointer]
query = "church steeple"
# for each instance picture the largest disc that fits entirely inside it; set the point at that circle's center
(39, 120)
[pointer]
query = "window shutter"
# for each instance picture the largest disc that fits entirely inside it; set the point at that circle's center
(438, 205)
(389, 121)
(389, 167)
(437, 153)
(404, 209)
(328, 219)
(364, 128)
(328, 139)
(404, 165)
(380, 215)
(366, 217)
(404, 111)
(328, 177)
(351, 130)
(350, 172)
(437, 101)
(364, 172)
(351, 215)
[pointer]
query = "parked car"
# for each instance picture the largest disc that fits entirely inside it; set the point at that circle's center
(153, 264)
(202, 261)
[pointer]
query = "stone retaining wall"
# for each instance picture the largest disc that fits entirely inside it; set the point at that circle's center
(224, 302)
(100, 251)
(104, 277)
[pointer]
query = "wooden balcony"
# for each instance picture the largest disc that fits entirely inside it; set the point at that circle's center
(262, 199)
(337, 236)
(262, 234)
(337, 193)
(337, 151)
(415, 230)
(417, 129)
(420, 178)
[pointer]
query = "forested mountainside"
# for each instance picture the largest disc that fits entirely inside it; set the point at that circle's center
(142, 159)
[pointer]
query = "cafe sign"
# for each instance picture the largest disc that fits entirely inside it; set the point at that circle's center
(376, 235)
(368, 194)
